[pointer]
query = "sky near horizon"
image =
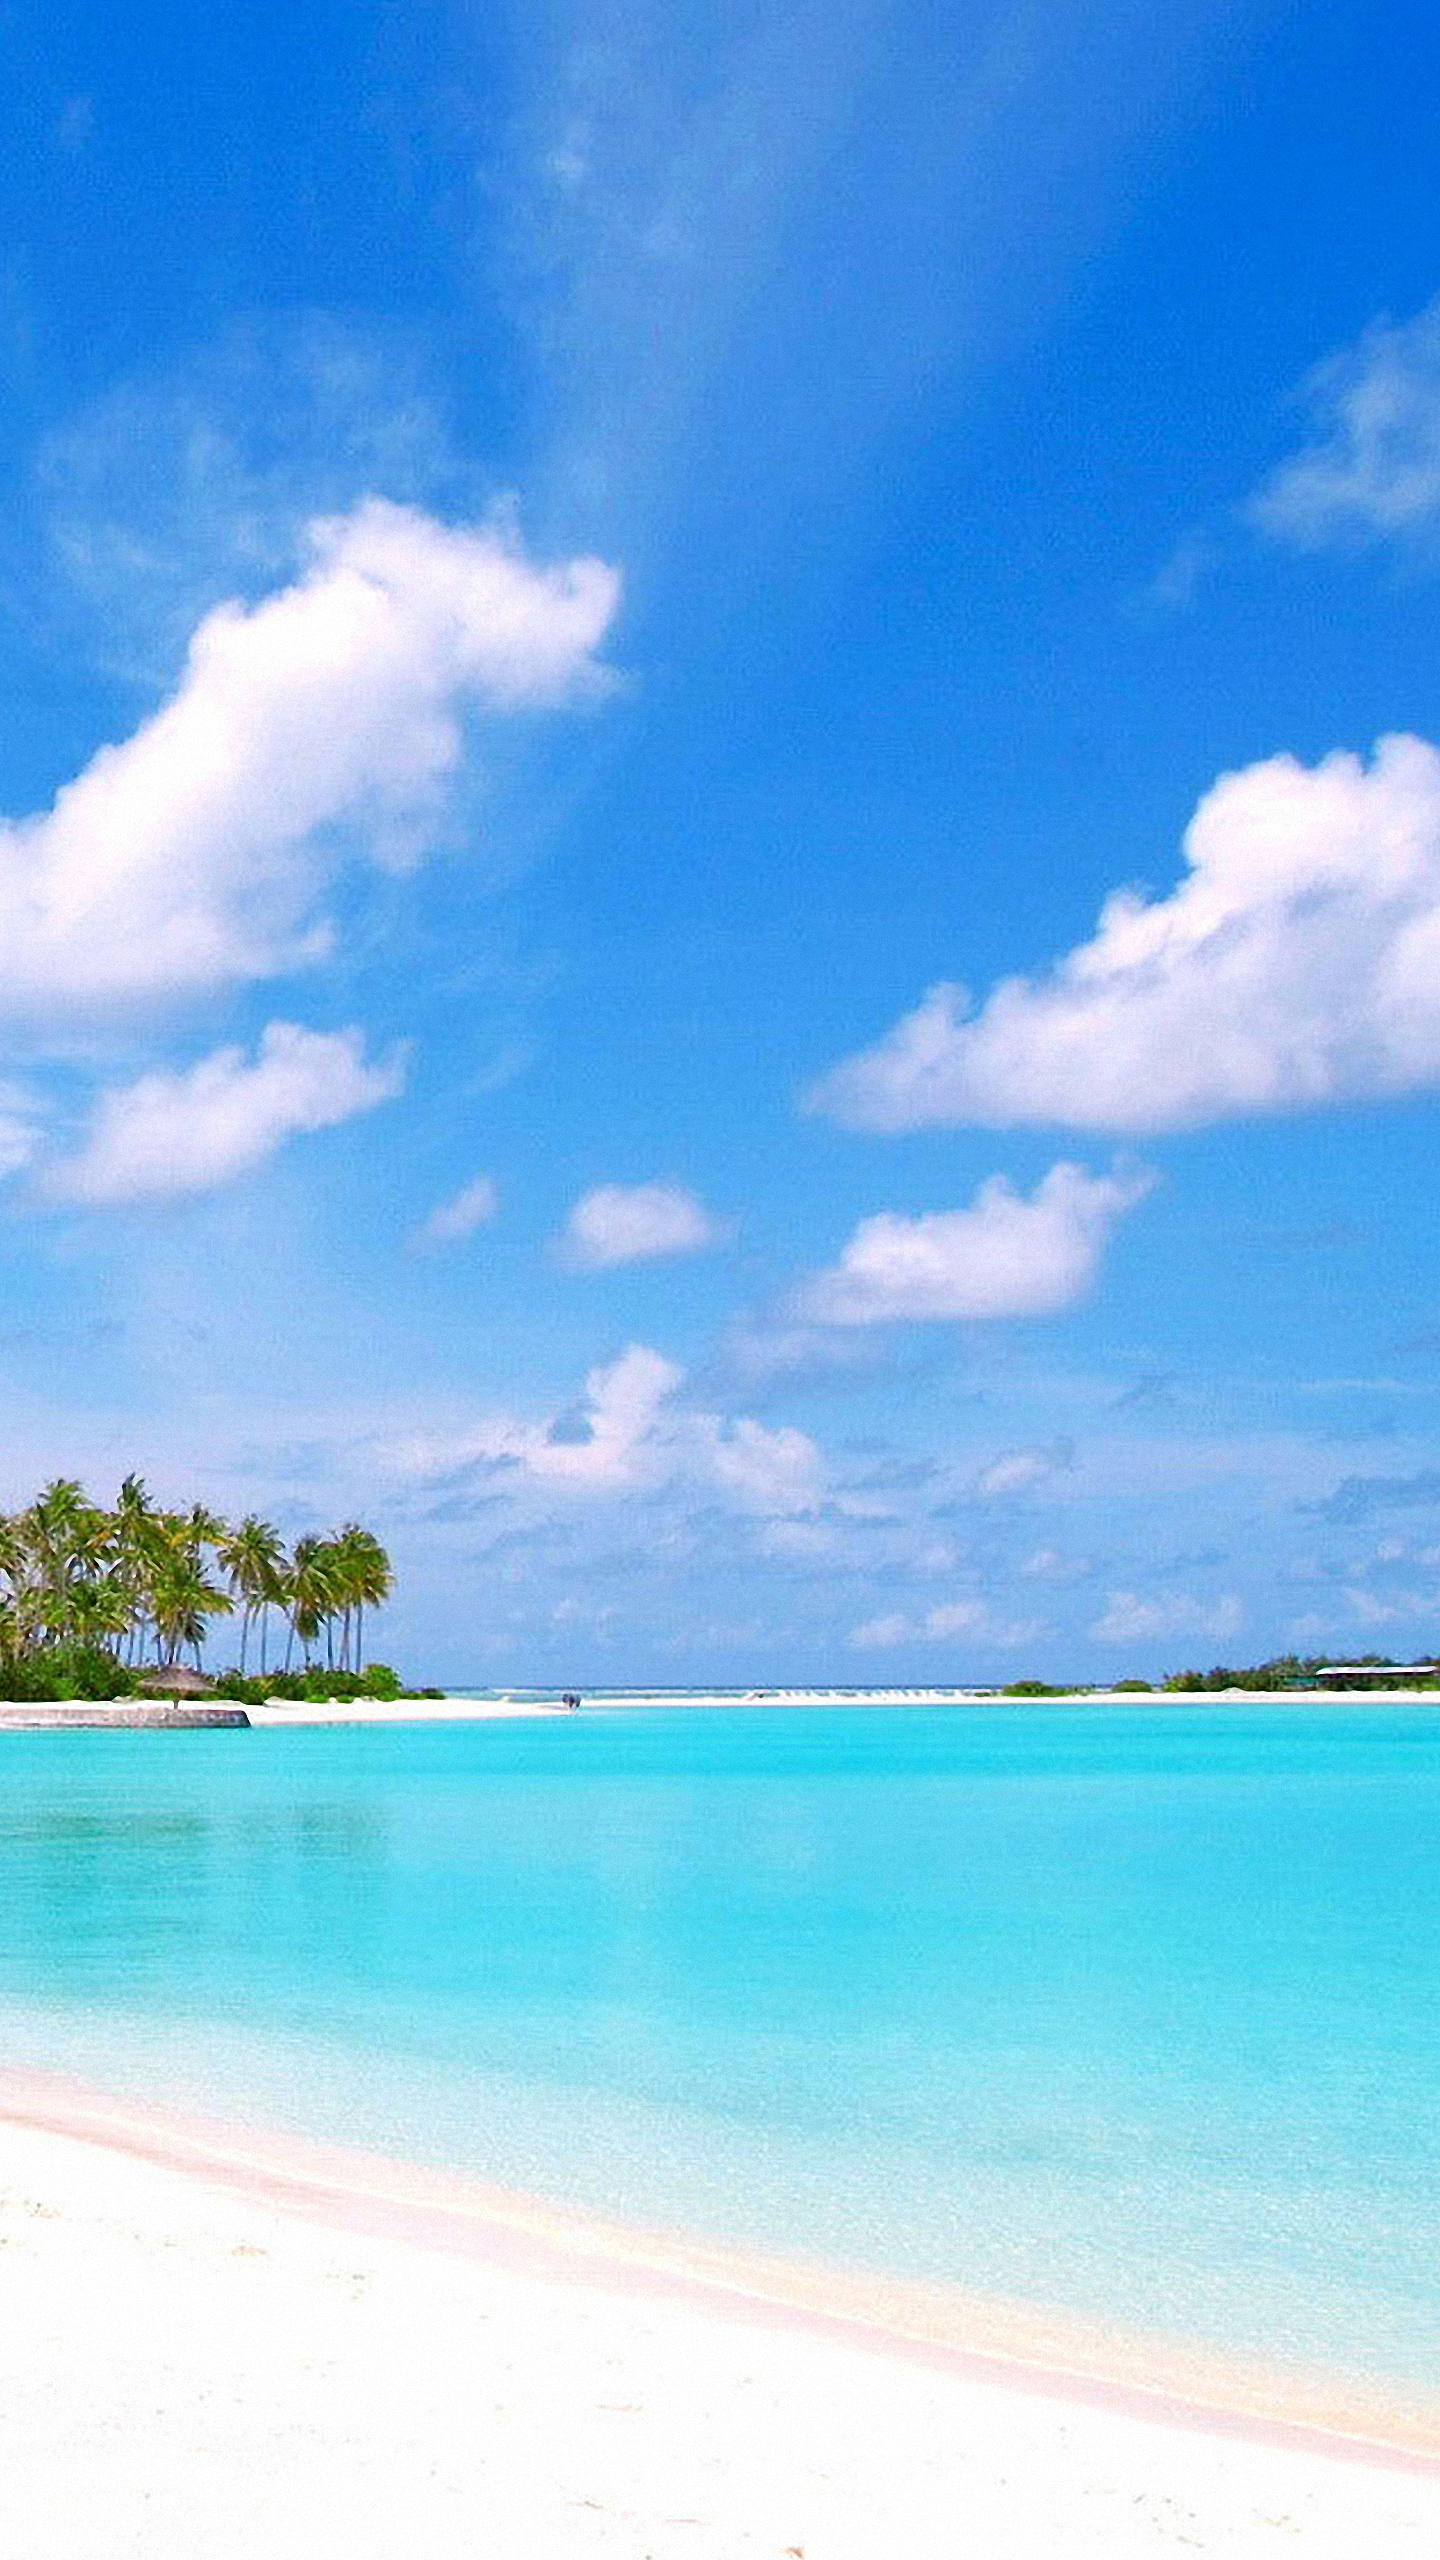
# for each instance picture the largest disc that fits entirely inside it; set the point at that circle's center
(720, 863)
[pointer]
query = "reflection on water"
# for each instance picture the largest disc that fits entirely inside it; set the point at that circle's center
(111, 1891)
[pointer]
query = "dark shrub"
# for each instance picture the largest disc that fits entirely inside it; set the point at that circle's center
(68, 1671)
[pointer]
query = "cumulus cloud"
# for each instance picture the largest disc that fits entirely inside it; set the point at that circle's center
(636, 1222)
(1003, 1256)
(617, 1439)
(456, 1219)
(1131, 1618)
(171, 1133)
(1372, 472)
(776, 1472)
(630, 1432)
(1297, 963)
(194, 853)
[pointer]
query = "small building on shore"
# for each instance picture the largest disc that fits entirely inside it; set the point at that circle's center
(1377, 1675)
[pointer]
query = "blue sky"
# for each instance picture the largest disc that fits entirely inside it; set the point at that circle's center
(700, 894)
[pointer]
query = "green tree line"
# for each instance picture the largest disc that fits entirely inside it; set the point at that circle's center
(1288, 1671)
(86, 1590)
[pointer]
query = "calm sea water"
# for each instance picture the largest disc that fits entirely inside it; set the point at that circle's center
(1131, 2010)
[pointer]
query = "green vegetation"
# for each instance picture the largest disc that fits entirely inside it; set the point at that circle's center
(1286, 1671)
(1034, 1689)
(96, 1603)
(377, 1680)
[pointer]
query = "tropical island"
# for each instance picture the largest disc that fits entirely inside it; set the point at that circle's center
(107, 1604)
(1316, 1672)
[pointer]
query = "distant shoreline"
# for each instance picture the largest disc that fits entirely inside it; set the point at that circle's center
(159, 1715)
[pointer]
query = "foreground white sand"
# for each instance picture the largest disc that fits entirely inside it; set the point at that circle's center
(186, 2374)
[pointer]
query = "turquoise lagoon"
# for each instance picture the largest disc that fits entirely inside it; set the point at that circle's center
(1134, 2011)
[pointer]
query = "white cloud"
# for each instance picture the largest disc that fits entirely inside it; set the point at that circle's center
(631, 1433)
(636, 1222)
(775, 1472)
(1297, 963)
(1373, 471)
(892, 1629)
(456, 1219)
(194, 853)
(937, 1626)
(1021, 1470)
(19, 1115)
(171, 1133)
(1129, 1618)
(619, 1438)
(1003, 1256)
(1048, 1564)
(194, 481)
(1173, 587)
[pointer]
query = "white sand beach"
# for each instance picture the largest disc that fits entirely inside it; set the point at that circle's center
(189, 2371)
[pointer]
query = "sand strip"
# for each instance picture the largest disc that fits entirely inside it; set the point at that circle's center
(289, 2351)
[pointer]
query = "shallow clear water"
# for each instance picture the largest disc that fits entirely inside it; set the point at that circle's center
(1130, 2010)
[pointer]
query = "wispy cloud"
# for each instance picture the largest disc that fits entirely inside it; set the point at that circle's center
(1132, 1617)
(193, 483)
(1023, 1470)
(20, 1124)
(696, 259)
(1050, 1564)
(455, 1219)
(1177, 581)
(1297, 963)
(1372, 472)
(1357, 1498)
(943, 1624)
(1002, 1256)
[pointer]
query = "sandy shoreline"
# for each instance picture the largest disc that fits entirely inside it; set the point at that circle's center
(277, 1713)
(95, 1713)
(181, 2301)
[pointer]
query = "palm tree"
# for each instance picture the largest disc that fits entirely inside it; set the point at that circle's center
(180, 1602)
(364, 1579)
(310, 1591)
(18, 1618)
(73, 1574)
(100, 1609)
(202, 1528)
(253, 1557)
(135, 1543)
(65, 1537)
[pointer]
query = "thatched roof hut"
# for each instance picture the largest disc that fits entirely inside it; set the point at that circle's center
(174, 1680)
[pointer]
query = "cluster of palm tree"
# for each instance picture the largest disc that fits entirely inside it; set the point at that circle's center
(143, 1583)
